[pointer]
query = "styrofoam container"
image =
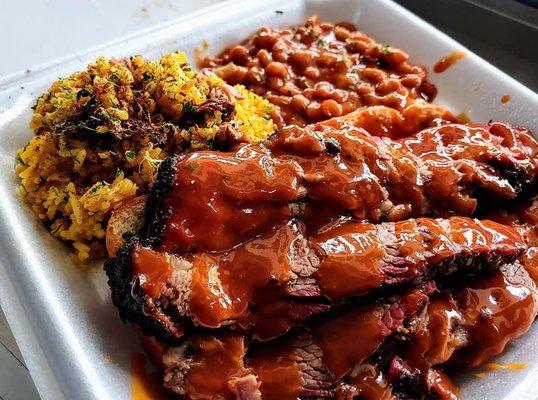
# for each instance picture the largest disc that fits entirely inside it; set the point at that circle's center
(69, 333)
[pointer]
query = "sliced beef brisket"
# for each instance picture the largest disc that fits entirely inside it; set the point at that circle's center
(271, 283)
(209, 200)
(306, 365)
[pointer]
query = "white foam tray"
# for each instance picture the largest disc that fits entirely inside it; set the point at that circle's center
(63, 319)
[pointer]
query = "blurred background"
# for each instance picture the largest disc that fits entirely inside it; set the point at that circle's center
(504, 32)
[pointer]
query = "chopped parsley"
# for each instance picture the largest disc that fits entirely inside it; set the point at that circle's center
(147, 76)
(130, 154)
(107, 117)
(96, 187)
(20, 160)
(193, 167)
(385, 49)
(189, 108)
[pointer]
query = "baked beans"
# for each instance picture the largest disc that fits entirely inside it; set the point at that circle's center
(319, 70)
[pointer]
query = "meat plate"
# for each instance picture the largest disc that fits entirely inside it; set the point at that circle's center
(69, 333)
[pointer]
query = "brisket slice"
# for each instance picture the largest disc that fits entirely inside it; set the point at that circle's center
(210, 200)
(464, 327)
(306, 365)
(273, 282)
(523, 216)
(390, 349)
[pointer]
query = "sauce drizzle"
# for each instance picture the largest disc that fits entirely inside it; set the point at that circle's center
(448, 61)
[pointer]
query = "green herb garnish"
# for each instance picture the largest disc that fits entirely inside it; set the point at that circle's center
(193, 167)
(96, 187)
(189, 108)
(147, 76)
(20, 160)
(385, 49)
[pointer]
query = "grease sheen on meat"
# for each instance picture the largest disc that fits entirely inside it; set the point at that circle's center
(322, 171)
(259, 285)
(390, 349)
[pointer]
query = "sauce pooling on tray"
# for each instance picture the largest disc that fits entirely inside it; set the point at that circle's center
(320, 70)
(446, 62)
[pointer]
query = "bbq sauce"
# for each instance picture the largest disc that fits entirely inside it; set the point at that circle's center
(223, 286)
(472, 324)
(367, 382)
(221, 199)
(435, 336)
(217, 361)
(348, 340)
(278, 371)
(524, 217)
(152, 269)
(248, 285)
(505, 98)
(333, 347)
(446, 62)
(495, 310)
(355, 256)
(234, 281)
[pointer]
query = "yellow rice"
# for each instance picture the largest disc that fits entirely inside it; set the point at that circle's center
(73, 184)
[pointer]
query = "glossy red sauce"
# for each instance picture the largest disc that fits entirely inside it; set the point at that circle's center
(218, 359)
(152, 269)
(225, 288)
(355, 255)
(342, 341)
(524, 218)
(367, 382)
(278, 372)
(496, 310)
(472, 324)
(350, 339)
(433, 341)
(442, 387)
(505, 98)
(446, 62)
(234, 230)
(320, 70)
(219, 199)
(248, 285)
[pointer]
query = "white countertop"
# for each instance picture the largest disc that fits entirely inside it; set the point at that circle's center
(39, 31)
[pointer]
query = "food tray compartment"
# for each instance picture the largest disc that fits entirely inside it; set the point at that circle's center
(70, 335)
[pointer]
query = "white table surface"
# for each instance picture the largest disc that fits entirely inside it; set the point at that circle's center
(38, 31)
